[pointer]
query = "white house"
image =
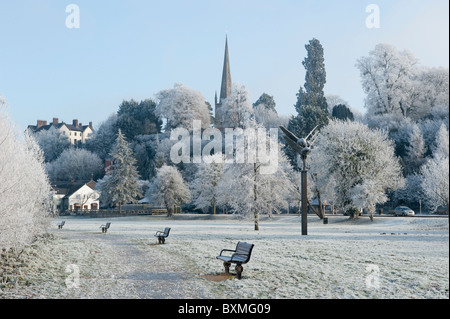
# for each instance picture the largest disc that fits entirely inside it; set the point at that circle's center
(77, 133)
(73, 196)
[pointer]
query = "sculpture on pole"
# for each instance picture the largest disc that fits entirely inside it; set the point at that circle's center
(303, 147)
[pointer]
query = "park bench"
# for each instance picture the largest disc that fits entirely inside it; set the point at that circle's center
(162, 235)
(241, 255)
(61, 224)
(105, 227)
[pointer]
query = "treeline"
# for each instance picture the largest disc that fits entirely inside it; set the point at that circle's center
(407, 101)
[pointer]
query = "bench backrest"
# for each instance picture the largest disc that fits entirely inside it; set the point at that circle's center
(62, 223)
(243, 251)
(166, 231)
(107, 225)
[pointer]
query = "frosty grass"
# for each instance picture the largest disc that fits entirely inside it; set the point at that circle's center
(392, 257)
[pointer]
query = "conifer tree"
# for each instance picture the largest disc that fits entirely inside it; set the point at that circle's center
(121, 187)
(311, 106)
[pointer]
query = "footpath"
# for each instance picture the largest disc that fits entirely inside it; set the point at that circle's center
(120, 267)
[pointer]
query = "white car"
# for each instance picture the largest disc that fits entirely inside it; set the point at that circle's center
(403, 211)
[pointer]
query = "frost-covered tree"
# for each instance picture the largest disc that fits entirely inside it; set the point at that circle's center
(442, 142)
(103, 139)
(268, 117)
(248, 189)
(415, 150)
(76, 164)
(435, 173)
(168, 189)
(24, 188)
(359, 161)
(434, 88)
(182, 105)
(52, 142)
(412, 193)
(236, 108)
(121, 186)
(435, 181)
(204, 187)
(386, 77)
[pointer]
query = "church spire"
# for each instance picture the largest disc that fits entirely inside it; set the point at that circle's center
(225, 89)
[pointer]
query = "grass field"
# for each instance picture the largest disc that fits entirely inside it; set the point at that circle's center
(389, 258)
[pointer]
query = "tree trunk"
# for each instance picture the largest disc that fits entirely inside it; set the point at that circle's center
(321, 210)
(169, 207)
(255, 210)
(354, 213)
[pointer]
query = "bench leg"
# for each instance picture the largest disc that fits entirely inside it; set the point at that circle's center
(227, 267)
(239, 269)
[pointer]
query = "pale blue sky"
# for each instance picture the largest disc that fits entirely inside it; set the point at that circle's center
(135, 48)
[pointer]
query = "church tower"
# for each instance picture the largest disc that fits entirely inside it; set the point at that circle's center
(225, 89)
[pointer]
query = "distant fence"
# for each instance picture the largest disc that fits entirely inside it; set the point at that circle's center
(114, 212)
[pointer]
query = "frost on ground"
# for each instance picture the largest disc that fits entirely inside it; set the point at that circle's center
(389, 258)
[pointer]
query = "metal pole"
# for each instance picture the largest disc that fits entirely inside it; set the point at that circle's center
(304, 203)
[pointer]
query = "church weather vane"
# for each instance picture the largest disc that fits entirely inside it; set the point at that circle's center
(302, 146)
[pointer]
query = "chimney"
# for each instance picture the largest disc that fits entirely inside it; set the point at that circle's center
(90, 126)
(75, 123)
(41, 123)
(55, 121)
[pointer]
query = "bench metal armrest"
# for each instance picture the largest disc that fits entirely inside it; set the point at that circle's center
(226, 250)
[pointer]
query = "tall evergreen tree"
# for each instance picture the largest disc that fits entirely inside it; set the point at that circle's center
(315, 78)
(121, 186)
(311, 106)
